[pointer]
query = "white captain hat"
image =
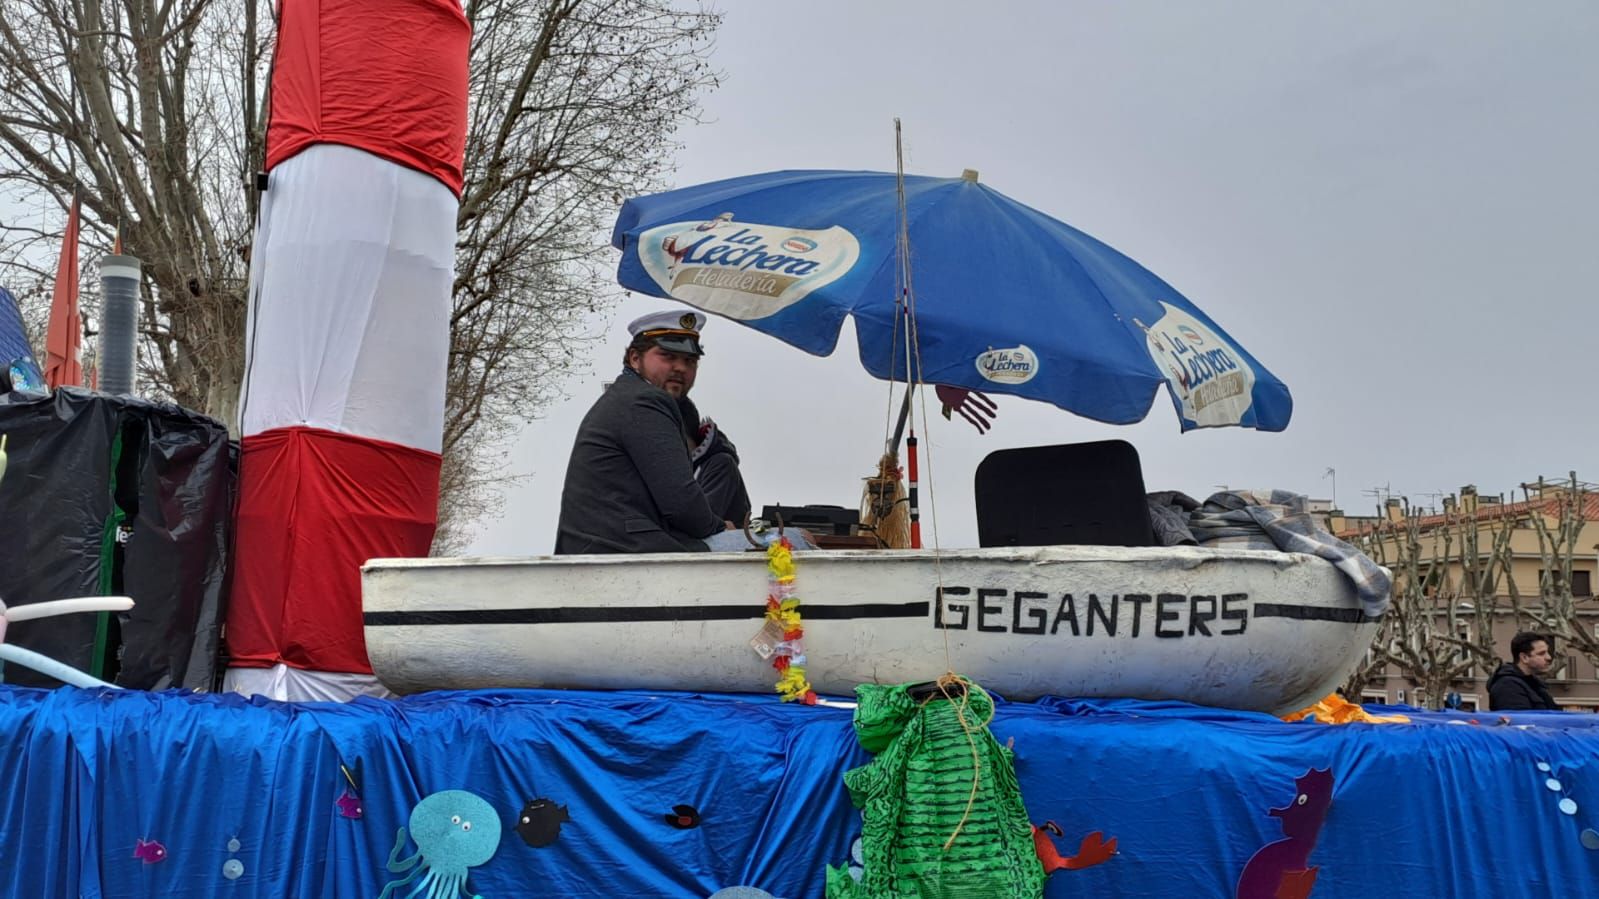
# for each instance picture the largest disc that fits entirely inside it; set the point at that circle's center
(677, 332)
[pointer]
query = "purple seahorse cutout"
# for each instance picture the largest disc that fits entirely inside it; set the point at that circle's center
(1285, 863)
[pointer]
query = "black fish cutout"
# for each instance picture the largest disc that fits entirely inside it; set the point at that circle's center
(683, 817)
(540, 822)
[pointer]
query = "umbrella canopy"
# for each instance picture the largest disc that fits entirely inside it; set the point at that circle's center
(1007, 299)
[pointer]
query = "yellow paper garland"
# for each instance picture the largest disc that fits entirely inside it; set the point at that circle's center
(782, 606)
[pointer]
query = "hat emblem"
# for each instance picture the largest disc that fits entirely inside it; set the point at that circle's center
(687, 321)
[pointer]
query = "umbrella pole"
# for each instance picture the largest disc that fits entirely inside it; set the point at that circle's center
(907, 309)
(916, 516)
(885, 504)
(910, 453)
(904, 416)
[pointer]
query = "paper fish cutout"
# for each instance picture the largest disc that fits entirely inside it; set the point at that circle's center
(1282, 869)
(1093, 850)
(684, 817)
(149, 851)
(349, 805)
(540, 822)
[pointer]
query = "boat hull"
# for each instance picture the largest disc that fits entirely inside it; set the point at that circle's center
(1232, 628)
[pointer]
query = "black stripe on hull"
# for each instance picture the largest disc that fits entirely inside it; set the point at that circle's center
(750, 612)
(1311, 613)
(623, 615)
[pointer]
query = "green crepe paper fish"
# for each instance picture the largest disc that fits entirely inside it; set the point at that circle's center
(914, 796)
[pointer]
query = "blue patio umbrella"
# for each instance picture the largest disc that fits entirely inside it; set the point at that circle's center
(1007, 299)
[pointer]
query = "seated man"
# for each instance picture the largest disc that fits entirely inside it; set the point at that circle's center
(630, 487)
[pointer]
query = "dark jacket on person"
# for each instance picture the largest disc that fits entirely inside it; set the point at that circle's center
(716, 468)
(629, 485)
(1509, 690)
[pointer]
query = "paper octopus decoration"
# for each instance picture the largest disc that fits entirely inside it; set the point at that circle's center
(454, 830)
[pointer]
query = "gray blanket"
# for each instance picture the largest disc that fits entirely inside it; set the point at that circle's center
(1268, 519)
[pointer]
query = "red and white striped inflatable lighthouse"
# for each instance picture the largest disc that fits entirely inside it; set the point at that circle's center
(343, 402)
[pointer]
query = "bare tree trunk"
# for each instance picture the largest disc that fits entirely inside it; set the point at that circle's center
(1559, 612)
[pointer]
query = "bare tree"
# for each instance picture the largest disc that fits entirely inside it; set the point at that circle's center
(1473, 580)
(133, 105)
(1439, 628)
(1370, 666)
(151, 111)
(1559, 518)
(569, 117)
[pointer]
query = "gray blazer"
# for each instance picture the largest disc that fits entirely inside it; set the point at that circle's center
(629, 485)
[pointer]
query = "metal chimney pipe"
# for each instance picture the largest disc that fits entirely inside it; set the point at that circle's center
(119, 325)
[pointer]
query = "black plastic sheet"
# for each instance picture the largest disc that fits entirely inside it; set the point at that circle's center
(116, 495)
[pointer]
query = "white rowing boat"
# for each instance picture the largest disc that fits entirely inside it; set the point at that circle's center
(1241, 629)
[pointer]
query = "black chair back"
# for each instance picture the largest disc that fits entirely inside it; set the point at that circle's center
(1071, 493)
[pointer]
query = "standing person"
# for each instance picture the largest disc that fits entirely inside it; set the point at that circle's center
(629, 485)
(1518, 684)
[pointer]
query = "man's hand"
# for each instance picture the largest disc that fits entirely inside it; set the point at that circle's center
(973, 405)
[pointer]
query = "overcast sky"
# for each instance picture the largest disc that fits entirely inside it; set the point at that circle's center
(1394, 207)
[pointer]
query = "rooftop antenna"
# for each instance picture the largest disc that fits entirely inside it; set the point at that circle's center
(1436, 496)
(1382, 494)
(1333, 473)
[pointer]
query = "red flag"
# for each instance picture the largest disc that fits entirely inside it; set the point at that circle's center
(61, 367)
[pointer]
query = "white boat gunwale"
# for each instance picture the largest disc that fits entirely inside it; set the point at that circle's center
(1038, 554)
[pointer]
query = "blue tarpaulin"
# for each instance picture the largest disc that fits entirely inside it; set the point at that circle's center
(134, 794)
